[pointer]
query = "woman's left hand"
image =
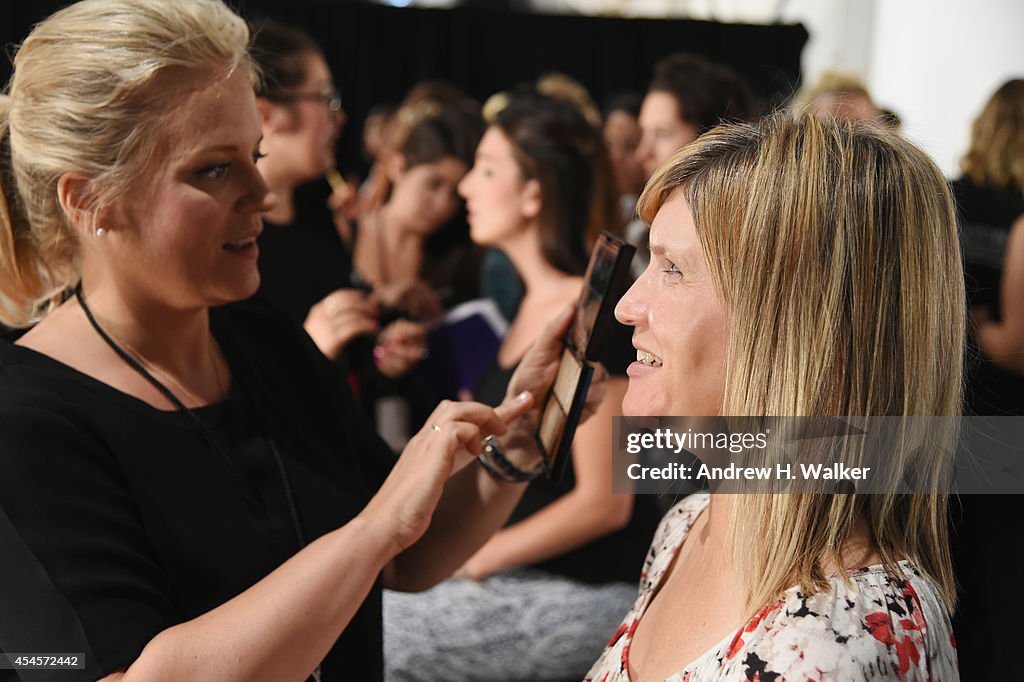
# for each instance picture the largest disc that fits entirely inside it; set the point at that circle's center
(400, 346)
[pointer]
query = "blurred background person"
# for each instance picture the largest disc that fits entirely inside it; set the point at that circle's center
(839, 95)
(552, 584)
(499, 279)
(688, 96)
(412, 243)
(990, 198)
(990, 194)
(305, 263)
(622, 136)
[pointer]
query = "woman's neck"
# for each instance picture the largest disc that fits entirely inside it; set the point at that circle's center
(176, 342)
(539, 276)
(398, 247)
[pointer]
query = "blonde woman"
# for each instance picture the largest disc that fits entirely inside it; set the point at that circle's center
(990, 197)
(799, 268)
(184, 493)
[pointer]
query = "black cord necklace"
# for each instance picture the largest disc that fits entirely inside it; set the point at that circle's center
(205, 430)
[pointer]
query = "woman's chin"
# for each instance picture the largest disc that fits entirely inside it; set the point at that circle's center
(636, 404)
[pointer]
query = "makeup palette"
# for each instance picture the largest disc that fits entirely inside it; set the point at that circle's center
(605, 281)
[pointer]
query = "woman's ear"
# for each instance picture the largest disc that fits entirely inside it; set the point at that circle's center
(394, 166)
(532, 201)
(274, 118)
(78, 201)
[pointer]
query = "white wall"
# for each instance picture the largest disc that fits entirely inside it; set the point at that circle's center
(936, 62)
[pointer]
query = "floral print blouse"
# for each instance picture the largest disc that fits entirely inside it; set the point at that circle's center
(884, 628)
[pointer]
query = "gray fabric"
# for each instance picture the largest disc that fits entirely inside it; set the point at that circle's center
(518, 626)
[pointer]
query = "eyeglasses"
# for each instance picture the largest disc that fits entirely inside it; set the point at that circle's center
(332, 98)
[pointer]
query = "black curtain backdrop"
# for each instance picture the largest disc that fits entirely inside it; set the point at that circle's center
(378, 53)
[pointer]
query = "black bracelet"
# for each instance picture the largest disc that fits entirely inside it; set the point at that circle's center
(494, 461)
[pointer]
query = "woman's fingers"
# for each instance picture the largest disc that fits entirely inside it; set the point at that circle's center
(485, 417)
(514, 407)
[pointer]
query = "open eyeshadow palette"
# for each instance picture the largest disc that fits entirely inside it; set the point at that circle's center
(606, 279)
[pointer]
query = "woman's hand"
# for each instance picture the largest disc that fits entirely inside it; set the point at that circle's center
(340, 317)
(416, 298)
(344, 204)
(536, 372)
(451, 438)
(400, 346)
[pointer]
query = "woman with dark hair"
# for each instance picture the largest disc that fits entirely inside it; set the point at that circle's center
(414, 210)
(548, 585)
(413, 248)
(688, 95)
(305, 263)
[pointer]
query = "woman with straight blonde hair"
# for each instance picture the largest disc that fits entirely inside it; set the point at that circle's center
(800, 268)
(186, 492)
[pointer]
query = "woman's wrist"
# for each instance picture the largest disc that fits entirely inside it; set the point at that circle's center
(501, 466)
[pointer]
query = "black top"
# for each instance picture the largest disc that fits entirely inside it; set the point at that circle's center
(300, 264)
(986, 215)
(118, 520)
(618, 556)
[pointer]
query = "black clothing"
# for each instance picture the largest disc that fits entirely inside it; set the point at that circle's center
(983, 528)
(618, 556)
(986, 215)
(300, 264)
(119, 520)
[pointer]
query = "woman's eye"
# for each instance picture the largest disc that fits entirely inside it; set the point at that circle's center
(214, 172)
(257, 155)
(671, 269)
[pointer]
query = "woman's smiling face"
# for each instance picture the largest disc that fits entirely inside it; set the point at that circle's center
(680, 325)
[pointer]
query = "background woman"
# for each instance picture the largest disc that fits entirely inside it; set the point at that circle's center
(551, 585)
(990, 198)
(768, 295)
(688, 95)
(398, 236)
(305, 263)
(186, 493)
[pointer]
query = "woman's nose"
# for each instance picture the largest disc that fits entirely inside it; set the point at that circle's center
(463, 187)
(632, 308)
(258, 198)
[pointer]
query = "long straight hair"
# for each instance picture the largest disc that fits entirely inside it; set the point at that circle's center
(834, 249)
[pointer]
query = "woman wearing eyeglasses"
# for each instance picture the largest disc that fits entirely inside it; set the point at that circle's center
(305, 262)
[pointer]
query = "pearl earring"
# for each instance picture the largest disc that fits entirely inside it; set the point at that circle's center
(100, 231)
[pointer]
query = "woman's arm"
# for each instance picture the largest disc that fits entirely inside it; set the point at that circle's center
(284, 625)
(474, 504)
(1003, 341)
(587, 512)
